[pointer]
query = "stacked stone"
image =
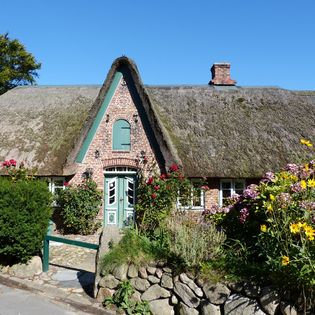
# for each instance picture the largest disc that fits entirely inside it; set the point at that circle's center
(181, 294)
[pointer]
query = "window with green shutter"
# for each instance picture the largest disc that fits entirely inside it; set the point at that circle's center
(121, 135)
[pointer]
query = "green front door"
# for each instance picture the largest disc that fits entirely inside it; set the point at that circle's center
(119, 200)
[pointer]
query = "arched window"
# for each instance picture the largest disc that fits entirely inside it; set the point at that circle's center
(121, 135)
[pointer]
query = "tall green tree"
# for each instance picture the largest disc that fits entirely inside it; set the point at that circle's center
(17, 66)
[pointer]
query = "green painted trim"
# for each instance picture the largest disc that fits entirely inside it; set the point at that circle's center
(71, 242)
(85, 146)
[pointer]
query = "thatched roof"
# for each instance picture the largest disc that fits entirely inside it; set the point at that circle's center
(39, 125)
(235, 132)
(211, 131)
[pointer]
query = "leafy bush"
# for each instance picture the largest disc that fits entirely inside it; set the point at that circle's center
(25, 209)
(193, 242)
(157, 196)
(122, 299)
(79, 207)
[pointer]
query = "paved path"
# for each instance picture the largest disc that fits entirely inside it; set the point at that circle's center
(70, 280)
(19, 302)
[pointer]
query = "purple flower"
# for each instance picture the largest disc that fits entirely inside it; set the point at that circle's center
(212, 210)
(307, 205)
(268, 177)
(295, 188)
(250, 192)
(227, 209)
(304, 174)
(292, 168)
(244, 213)
(284, 199)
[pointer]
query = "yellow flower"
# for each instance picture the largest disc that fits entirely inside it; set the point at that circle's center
(311, 183)
(270, 208)
(306, 167)
(302, 225)
(285, 260)
(294, 228)
(263, 228)
(272, 197)
(283, 175)
(294, 178)
(306, 142)
(309, 232)
(303, 184)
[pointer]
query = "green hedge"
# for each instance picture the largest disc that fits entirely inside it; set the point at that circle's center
(25, 209)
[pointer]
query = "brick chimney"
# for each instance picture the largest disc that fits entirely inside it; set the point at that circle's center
(221, 74)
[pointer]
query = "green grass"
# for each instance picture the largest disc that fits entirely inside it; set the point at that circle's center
(133, 248)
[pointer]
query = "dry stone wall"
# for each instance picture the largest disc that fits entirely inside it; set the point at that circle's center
(181, 294)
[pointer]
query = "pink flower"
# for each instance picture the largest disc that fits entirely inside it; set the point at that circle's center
(6, 164)
(150, 181)
(243, 215)
(145, 159)
(163, 176)
(205, 187)
(157, 187)
(66, 184)
(174, 168)
(12, 162)
(154, 195)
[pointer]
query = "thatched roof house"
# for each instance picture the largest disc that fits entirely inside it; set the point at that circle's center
(213, 131)
(219, 130)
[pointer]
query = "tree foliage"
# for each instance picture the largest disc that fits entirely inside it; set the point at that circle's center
(17, 66)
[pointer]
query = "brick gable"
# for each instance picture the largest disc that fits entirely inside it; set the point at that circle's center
(121, 106)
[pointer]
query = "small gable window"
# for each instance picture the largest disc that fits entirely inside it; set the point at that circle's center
(121, 135)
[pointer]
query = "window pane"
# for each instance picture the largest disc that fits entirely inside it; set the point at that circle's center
(131, 193)
(226, 185)
(196, 202)
(239, 187)
(111, 192)
(226, 193)
(58, 182)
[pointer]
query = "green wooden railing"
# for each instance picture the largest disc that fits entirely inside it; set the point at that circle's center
(49, 237)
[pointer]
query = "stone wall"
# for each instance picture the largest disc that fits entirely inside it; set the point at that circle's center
(168, 293)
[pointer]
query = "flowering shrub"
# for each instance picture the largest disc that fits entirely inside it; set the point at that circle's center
(17, 173)
(79, 207)
(275, 222)
(157, 196)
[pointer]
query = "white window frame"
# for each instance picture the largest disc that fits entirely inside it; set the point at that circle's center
(52, 186)
(232, 189)
(120, 170)
(192, 207)
(113, 180)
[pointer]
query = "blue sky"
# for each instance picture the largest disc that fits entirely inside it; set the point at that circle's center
(267, 42)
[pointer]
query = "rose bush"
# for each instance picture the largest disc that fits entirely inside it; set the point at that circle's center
(157, 196)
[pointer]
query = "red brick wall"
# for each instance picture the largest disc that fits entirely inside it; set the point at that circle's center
(120, 107)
